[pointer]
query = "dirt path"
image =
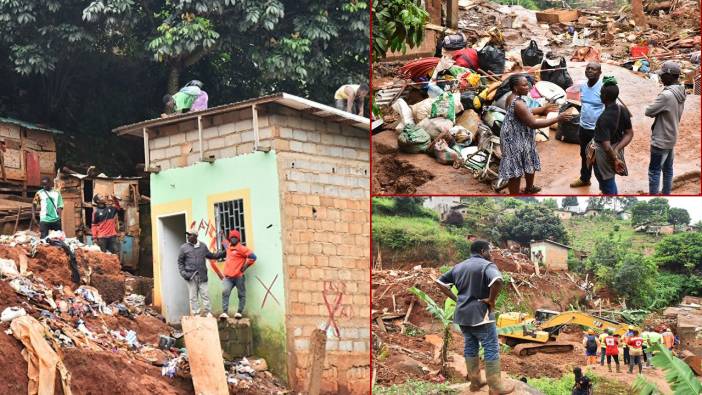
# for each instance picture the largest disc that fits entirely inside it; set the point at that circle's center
(395, 172)
(656, 376)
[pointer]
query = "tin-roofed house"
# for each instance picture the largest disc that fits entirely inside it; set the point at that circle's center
(27, 153)
(292, 176)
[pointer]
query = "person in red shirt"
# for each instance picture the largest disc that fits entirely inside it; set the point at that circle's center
(239, 258)
(611, 344)
(104, 224)
(635, 351)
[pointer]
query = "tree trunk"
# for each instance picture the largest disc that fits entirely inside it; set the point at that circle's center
(638, 14)
(174, 79)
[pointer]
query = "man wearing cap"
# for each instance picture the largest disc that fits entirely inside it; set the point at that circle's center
(239, 258)
(191, 265)
(667, 110)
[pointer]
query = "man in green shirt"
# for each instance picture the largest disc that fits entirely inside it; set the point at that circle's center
(50, 203)
(651, 338)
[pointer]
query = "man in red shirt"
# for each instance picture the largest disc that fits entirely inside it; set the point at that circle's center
(611, 343)
(239, 258)
(635, 351)
(104, 224)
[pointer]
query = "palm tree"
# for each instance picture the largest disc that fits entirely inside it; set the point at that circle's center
(680, 377)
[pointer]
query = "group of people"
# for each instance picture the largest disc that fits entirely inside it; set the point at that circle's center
(192, 267)
(637, 348)
(104, 219)
(605, 130)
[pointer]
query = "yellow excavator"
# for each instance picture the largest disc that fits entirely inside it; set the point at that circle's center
(528, 335)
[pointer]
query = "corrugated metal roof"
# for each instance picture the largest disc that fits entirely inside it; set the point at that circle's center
(28, 125)
(297, 103)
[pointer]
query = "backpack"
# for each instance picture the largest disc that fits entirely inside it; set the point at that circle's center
(532, 55)
(591, 343)
(558, 77)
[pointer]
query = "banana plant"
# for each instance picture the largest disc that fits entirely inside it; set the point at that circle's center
(678, 375)
(445, 316)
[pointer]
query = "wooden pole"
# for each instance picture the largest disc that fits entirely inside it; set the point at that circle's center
(318, 346)
(452, 14)
(19, 211)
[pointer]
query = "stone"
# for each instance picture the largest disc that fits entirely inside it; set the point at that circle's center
(406, 363)
(259, 364)
(519, 388)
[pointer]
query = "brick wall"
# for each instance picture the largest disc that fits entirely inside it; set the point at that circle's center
(326, 233)
(324, 185)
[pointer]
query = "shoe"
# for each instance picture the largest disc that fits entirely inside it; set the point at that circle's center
(223, 316)
(473, 368)
(579, 183)
(237, 315)
(494, 380)
(531, 191)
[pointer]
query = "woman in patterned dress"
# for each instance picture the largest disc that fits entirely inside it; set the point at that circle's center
(519, 156)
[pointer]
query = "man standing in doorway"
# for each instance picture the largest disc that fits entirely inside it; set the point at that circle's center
(239, 258)
(667, 109)
(104, 225)
(50, 204)
(478, 282)
(592, 108)
(192, 267)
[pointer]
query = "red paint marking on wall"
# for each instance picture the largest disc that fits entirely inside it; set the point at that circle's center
(333, 294)
(268, 290)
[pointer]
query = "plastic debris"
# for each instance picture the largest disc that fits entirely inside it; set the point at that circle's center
(11, 313)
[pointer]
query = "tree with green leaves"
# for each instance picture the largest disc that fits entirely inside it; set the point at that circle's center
(533, 222)
(397, 24)
(678, 216)
(445, 316)
(604, 259)
(550, 203)
(680, 252)
(570, 201)
(635, 280)
(654, 211)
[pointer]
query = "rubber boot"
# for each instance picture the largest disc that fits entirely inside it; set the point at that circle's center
(609, 367)
(494, 380)
(473, 367)
(617, 368)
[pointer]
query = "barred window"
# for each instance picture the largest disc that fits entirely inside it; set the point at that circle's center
(230, 215)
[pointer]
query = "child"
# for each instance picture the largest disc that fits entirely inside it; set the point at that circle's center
(582, 383)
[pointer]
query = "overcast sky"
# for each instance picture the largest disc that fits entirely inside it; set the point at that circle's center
(692, 204)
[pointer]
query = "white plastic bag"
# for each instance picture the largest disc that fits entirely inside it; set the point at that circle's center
(401, 107)
(11, 313)
(8, 268)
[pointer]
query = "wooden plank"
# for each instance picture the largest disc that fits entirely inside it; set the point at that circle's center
(103, 187)
(205, 355)
(68, 219)
(319, 345)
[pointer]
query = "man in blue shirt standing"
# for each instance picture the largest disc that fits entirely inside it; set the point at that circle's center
(591, 109)
(478, 282)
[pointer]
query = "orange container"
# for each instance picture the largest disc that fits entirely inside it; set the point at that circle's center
(638, 51)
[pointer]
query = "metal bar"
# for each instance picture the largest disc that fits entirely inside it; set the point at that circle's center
(199, 135)
(147, 157)
(254, 112)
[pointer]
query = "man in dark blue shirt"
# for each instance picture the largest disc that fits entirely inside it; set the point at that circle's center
(478, 282)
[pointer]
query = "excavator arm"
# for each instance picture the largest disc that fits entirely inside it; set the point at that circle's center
(584, 319)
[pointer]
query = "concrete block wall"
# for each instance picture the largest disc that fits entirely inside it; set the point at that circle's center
(323, 173)
(224, 136)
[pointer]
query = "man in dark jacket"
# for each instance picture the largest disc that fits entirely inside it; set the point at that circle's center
(667, 109)
(192, 267)
(104, 225)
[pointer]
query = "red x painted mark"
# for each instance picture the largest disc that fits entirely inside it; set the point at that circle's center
(268, 291)
(332, 308)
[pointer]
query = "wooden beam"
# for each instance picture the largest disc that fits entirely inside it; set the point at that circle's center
(319, 346)
(452, 13)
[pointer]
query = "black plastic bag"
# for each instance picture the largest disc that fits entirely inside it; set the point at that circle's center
(453, 42)
(559, 77)
(568, 131)
(467, 98)
(492, 59)
(532, 55)
(504, 87)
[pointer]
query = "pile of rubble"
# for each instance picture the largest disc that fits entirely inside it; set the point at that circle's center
(125, 345)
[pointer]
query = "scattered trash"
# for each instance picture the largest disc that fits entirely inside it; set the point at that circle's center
(8, 268)
(11, 313)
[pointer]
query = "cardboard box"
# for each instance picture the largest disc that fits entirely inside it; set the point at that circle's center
(553, 15)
